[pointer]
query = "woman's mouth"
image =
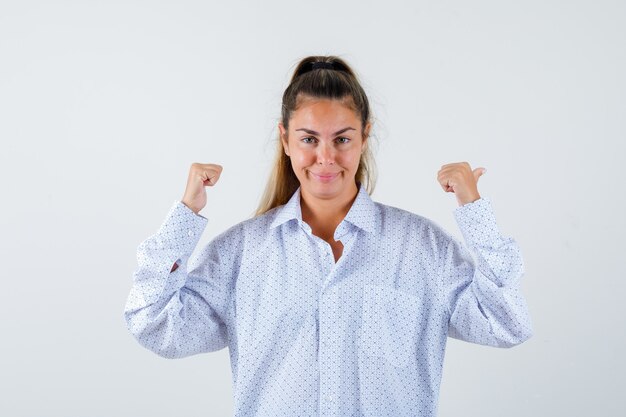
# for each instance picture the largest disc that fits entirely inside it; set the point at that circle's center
(324, 176)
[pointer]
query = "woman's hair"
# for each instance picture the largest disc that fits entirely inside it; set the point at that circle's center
(318, 82)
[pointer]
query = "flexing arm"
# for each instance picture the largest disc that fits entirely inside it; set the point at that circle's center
(485, 304)
(170, 311)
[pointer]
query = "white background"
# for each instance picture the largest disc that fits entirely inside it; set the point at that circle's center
(104, 105)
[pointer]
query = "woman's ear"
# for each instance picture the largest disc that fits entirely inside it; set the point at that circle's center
(283, 137)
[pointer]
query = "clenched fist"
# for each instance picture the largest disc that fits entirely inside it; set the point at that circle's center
(458, 178)
(200, 176)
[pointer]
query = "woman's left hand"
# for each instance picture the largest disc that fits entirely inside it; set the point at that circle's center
(458, 178)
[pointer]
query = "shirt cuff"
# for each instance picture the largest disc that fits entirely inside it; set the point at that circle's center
(184, 226)
(477, 222)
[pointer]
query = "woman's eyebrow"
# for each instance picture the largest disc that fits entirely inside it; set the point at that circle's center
(313, 132)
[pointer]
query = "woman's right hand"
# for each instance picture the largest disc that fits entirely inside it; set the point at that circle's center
(200, 175)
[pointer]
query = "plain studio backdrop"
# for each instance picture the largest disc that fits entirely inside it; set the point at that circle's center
(105, 105)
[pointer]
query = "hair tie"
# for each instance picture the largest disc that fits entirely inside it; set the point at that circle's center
(322, 65)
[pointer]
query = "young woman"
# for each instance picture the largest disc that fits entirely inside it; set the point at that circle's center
(330, 303)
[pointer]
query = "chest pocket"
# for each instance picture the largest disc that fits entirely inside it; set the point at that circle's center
(391, 326)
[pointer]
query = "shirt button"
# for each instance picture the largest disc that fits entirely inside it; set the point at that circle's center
(190, 233)
(329, 397)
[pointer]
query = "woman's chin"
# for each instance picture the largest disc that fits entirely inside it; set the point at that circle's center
(326, 191)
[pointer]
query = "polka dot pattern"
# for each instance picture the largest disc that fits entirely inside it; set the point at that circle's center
(308, 336)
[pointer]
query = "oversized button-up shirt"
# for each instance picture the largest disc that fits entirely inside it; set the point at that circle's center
(308, 336)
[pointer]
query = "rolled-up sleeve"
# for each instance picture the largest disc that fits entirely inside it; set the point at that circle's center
(185, 311)
(484, 299)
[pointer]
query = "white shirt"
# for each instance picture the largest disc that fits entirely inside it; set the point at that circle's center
(364, 336)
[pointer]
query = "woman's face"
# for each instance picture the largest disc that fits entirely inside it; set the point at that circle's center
(324, 144)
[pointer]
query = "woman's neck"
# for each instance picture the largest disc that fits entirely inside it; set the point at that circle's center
(323, 216)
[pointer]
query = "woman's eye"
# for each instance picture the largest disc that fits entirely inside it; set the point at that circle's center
(308, 140)
(343, 140)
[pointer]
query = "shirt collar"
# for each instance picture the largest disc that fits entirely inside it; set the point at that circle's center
(291, 210)
(362, 213)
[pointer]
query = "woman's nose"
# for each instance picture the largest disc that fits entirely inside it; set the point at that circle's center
(325, 154)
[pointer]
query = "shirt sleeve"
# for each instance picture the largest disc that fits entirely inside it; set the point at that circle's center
(484, 300)
(182, 312)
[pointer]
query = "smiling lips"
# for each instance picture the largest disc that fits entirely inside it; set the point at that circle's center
(324, 176)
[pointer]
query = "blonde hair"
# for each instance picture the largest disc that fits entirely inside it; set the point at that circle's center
(338, 83)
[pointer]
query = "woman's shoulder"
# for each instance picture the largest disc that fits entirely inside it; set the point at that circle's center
(396, 214)
(397, 218)
(240, 237)
(254, 226)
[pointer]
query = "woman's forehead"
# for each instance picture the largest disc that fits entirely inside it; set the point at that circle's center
(324, 111)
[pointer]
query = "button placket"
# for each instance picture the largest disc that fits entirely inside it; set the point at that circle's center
(329, 353)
